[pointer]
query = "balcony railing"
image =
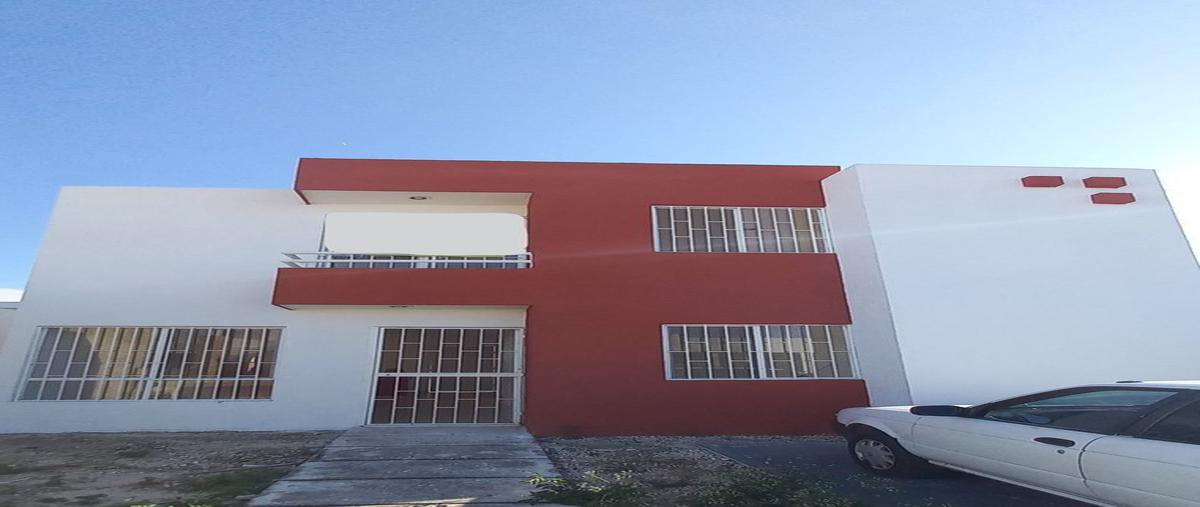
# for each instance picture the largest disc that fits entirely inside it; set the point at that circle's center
(406, 261)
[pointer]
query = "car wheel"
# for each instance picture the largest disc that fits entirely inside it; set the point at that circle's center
(880, 454)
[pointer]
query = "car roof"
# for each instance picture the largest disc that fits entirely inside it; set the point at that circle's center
(1173, 384)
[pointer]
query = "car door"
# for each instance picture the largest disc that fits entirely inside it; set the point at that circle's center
(1157, 465)
(1034, 440)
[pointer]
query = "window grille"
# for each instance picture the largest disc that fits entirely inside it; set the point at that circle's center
(745, 230)
(757, 351)
(152, 363)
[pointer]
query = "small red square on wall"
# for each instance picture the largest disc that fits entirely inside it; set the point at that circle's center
(1042, 181)
(1112, 198)
(1104, 182)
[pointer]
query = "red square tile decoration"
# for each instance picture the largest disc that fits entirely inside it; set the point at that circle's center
(1104, 182)
(1112, 198)
(1042, 181)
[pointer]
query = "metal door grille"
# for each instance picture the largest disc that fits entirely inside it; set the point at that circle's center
(447, 376)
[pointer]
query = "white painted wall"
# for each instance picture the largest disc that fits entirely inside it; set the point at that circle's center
(6, 318)
(872, 332)
(996, 289)
(202, 257)
(426, 233)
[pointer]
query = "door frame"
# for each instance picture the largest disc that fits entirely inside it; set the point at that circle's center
(518, 375)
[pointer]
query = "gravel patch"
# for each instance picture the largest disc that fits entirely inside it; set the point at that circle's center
(669, 468)
(118, 469)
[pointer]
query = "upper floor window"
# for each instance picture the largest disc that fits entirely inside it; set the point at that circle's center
(753, 230)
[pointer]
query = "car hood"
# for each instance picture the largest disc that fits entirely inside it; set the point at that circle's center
(901, 412)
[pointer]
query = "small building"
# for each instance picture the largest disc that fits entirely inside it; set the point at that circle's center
(593, 298)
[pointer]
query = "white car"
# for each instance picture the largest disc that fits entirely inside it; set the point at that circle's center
(1133, 444)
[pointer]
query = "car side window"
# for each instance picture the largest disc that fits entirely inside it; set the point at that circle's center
(1094, 411)
(1181, 426)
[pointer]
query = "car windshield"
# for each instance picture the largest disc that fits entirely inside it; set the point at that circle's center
(1097, 411)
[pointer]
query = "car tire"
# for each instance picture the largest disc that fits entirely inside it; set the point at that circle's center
(880, 454)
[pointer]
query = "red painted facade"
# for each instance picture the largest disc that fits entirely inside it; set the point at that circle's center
(598, 294)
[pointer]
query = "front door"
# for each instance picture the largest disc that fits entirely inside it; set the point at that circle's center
(447, 376)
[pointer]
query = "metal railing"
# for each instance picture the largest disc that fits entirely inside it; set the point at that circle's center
(406, 261)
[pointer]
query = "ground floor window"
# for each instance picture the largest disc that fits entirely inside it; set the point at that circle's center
(447, 375)
(757, 351)
(152, 363)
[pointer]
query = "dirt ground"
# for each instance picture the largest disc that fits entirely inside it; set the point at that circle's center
(669, 468)
(123, 469)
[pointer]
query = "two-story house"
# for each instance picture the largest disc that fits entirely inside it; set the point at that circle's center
(593, 298)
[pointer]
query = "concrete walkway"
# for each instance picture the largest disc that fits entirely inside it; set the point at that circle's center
(415, 465)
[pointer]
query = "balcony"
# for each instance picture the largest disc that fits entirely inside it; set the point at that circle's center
(329, 260)
(416, 257)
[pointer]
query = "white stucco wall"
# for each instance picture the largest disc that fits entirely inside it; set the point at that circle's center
(872, 333)
(996, 289)
(201, 257)
(6, 318)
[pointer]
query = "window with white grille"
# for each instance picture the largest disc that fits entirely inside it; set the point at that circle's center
(757, 351)
(747, 230)
(152, 363)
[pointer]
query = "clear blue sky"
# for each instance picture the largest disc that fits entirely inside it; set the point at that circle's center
(233, 93)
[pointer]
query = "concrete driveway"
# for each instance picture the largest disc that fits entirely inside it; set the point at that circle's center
(828, 461)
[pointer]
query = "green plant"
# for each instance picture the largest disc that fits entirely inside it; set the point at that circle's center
(53, 482)
(223, 488)
(133, 453)
(184, 504)
(92, 499)
(764, 489)
(596, 491)
(15, 469)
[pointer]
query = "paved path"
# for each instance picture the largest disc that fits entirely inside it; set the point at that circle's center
(415, 465)
(829, 461)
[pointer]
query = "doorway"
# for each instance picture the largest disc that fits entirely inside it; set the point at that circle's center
(447, 376)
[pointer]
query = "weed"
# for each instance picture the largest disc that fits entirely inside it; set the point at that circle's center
(54, 482)
(224, 487)
(18, 469)
(596, 491)
(765, 489)
(132, 453)
(670, 478)
(88, 499)
(181, 504)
